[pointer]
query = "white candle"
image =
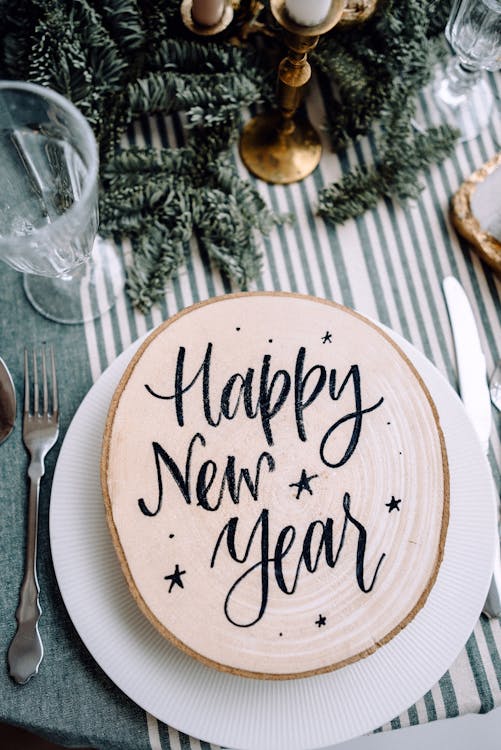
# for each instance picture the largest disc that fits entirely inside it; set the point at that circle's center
(207, 12)
(308, 12)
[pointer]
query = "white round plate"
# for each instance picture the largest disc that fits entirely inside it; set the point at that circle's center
(240, 712)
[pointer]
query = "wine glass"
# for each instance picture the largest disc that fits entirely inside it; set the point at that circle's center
(49, 205)
(462, 96)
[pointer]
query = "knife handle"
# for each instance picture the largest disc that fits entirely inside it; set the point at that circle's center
(492, 606)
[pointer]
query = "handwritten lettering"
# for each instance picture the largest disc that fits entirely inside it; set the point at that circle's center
(267, 566)
(267, 398)
(206, 476)
(355, 416)
(260, 393)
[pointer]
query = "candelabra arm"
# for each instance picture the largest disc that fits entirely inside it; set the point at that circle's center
(294, 72)
(282, 146)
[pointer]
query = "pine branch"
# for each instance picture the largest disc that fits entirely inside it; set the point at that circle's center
(388, 71)
(74, 55)
(17, 28)
(393, 177)
(159, 198)
(123, 22)
(209, 98)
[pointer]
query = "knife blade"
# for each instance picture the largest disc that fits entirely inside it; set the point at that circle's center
(474, 392)
(471, 366)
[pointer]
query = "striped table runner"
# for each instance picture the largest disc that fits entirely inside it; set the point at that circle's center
(387, 264)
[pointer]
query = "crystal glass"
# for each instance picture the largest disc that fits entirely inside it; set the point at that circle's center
(49, 205)
(462, 95)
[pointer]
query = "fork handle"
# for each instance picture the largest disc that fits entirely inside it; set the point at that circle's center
(26, 649)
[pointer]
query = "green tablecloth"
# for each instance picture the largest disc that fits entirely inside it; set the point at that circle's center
(389, 265)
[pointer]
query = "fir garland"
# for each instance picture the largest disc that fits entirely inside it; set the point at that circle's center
(378, 83)
(120, 60)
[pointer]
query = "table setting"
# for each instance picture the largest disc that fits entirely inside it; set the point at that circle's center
(198, 220)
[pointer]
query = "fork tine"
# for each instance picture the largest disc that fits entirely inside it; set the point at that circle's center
(44, 384)
(26, 384)
(35, 383)
(55, 402)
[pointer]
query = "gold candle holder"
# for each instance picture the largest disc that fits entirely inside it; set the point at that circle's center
(358, 11)
(197, 28)
(281, 146)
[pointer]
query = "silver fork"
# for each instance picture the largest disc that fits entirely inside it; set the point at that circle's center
(40, 431)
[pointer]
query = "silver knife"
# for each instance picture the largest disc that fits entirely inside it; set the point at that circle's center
(474, 392)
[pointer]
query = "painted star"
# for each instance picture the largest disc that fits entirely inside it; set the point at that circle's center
(321, 621)
(327, 338)
(175, 578)
(303, 483)
(393, 504)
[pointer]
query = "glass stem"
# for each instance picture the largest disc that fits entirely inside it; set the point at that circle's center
(76, 273)
(461, 78)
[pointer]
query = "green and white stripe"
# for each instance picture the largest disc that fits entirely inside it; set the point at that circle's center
(389, 265)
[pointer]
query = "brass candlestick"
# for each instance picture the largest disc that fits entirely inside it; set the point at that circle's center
(281, 146)
(196, 28)
(358, 11)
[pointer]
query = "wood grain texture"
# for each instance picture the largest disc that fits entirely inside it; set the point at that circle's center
(282, 510)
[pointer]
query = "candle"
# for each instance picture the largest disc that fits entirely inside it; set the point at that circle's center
(308, 12)
(207, 12)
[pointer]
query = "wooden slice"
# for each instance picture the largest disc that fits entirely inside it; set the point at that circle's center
(276, 484)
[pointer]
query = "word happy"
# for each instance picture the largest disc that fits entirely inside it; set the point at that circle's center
(264, 395)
